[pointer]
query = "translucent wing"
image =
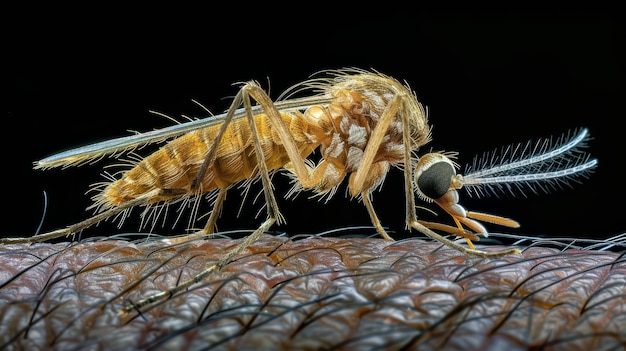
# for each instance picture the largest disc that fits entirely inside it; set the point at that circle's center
(114, 147)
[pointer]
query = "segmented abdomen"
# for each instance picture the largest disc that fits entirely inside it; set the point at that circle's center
(176, 164)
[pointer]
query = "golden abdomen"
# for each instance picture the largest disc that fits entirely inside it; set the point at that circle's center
(176, 164)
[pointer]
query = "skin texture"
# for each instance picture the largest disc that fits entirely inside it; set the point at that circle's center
(310, 292)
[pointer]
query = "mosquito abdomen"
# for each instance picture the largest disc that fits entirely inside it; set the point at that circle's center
(175, 165)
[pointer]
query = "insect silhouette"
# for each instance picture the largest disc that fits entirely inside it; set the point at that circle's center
(363, 122)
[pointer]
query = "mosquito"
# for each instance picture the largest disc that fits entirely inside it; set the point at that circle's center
(363, 122)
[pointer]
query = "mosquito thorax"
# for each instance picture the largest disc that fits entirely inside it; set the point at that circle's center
(433, 175)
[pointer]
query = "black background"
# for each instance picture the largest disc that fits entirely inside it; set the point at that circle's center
(487, 79)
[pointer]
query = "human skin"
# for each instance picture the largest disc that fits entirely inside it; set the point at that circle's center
(309, 292)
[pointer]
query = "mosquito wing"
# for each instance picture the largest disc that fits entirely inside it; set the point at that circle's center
(115, 147)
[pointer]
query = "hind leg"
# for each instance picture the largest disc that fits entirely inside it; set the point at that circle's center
(273, 213)
(75, 228)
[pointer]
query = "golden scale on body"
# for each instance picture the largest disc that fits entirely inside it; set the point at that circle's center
(364, 123)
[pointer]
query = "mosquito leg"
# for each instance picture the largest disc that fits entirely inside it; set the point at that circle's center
(226, 259)
(411, 215)
(458, 231)
(210, 157)
(243, 96)
(74, 228)
(450, 229)
(211, 224)
(370, 209)
(299, 166)
(356, 184)
(272, 214)
(373, 144)
(412, 222)
(209, 228)
(272, 206)
(467, 240)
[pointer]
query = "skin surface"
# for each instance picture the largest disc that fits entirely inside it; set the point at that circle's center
(310, 292)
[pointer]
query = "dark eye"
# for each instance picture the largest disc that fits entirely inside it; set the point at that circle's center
(435, 181)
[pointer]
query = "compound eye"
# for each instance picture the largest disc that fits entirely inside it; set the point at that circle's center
(433, 175)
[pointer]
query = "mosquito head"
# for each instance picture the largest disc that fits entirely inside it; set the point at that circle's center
(434, 175)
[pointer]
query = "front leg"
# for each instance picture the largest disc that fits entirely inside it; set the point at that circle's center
(411, 215)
